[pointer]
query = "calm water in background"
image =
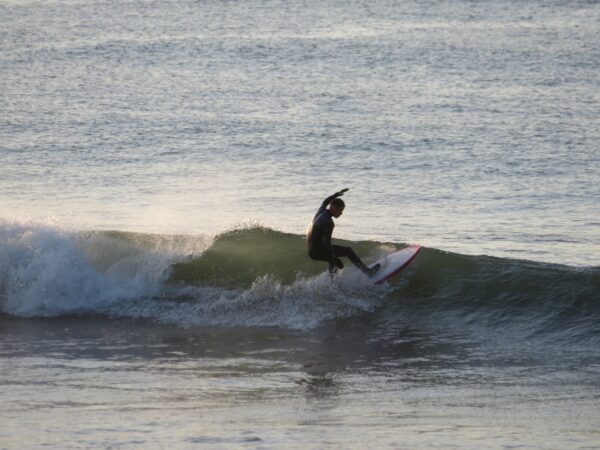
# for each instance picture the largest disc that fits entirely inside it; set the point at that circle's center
(467, 127)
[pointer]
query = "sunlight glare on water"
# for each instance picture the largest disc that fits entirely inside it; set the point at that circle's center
(463, 127)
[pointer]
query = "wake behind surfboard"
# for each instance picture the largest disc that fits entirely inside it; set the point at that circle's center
(394, 262)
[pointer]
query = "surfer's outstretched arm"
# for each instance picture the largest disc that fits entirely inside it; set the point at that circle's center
(328, 200)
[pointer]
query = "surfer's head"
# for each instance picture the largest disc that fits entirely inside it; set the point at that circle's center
(336, 207)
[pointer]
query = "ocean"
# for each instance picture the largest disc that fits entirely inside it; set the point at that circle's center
(160, 162)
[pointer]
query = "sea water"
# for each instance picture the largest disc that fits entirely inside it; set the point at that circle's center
(159, 164)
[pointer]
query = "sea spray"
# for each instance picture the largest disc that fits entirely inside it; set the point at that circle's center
(46, 271)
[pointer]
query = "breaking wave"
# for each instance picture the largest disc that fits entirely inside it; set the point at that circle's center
(257, 276)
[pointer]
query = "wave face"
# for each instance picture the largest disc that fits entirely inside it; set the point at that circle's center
(256, 276)
(238, 257)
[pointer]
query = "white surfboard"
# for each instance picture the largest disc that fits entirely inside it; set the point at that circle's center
(394, 263)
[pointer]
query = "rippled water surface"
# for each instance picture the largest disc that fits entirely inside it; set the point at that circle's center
(469, 126)
(96, 384)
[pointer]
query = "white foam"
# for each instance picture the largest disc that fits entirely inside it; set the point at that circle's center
(44, 271)
(302, 305)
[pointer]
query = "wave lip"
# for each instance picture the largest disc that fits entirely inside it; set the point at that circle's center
(46, 271)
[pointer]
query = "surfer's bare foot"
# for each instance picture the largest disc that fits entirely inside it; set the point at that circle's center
(373, 270)
(333, 272)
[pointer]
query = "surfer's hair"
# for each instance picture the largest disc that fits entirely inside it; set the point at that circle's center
(338, 203)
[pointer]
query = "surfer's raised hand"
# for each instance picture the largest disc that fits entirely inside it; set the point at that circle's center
(340, 193)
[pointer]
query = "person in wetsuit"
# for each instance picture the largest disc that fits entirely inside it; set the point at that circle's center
(319, 233)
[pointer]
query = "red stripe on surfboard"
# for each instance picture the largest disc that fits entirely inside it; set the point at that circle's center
(387, 277)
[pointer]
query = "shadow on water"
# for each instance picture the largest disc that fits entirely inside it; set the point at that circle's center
(321, 363)
(316, 358)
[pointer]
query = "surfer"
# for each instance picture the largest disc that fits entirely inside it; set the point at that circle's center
(319, 233)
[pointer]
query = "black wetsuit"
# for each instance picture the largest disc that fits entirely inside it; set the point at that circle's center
(318, 240)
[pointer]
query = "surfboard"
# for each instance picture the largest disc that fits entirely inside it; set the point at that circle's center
(394, 263)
